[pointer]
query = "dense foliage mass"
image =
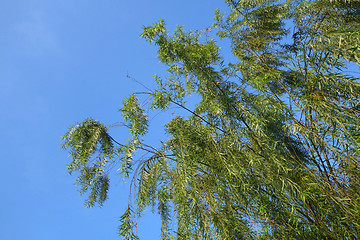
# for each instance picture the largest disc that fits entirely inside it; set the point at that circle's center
(272, 149)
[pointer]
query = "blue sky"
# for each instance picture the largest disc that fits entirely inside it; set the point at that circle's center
(61, 62)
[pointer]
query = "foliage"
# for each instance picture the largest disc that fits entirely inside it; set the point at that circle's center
(271, 150)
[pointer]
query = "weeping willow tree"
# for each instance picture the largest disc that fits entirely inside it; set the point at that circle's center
(272, 148)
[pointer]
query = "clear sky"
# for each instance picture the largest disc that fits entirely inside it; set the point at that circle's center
(61, 62)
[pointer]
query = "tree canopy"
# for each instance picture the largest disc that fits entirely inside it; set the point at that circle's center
(272, 148)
